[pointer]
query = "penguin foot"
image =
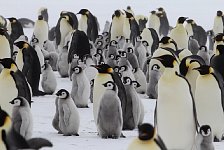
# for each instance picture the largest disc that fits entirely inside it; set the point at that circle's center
(76, 134)
(104, 137)
(122, 135)
(39, 93)
(59, 132)
(67, 135)
(216, 139)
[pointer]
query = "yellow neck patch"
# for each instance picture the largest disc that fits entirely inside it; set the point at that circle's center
(110, 70)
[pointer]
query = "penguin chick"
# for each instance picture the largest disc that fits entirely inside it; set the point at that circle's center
(204, 54)
(204, 139)
(48, 81)
(80, 92)
(62, 63)
(147, 139)
(109, 120)
(22, 120)
(141, 79)
(68, 114)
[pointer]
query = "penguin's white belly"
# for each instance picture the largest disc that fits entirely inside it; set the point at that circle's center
(175, 114)
(5, 51)
(179, 35)
(218, 25)
(126, 29)
(41, 32)
(147, 36)
(208, 105)
(8, 92)
(191, 77)
(83, 24)
(189, 29)
(65, 28)
(117, 28)
(19, 60)
(98, 91)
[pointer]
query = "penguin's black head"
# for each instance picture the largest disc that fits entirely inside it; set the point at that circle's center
(8, 63)
(5, 120)
(83, 11)
(118, 57)
(127, 81)
(139, 38)
(18, 101)
(111, 56)
(110, 85)
(100, 37)
(3, 31)
(117, 13)
(128, 15)
(99, 51)
(205, 130)
(219, 37)
(128, 7)
(204, 69)
(135, 84)
(130, 50)
(181, 20)
(21, 44)
(77, 70)
(63, 94)
(153, 12)
(146, 131)
(190, 21)
(123, 54)
(155, 67)
(165, 40)
(12, 20)
(40, 17)
(145, 43)
(160, 9)
(167, 60)
(123, 68)
(116, 69)
(219, 13)
(113, 43)
(204, 48)
(34, 40)
(103, 68)
(220, 49)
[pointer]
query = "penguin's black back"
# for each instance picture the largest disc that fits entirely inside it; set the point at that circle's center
(155, 37)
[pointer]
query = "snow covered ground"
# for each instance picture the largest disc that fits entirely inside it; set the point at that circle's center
(43, 108)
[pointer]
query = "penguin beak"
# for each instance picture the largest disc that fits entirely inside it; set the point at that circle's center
(157, 58)
(11, 102)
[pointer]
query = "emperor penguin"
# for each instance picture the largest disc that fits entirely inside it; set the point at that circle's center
(193, 45)
(80, 92)
(41, 30)
(13, 80)
(147, 139)
(43, 12)
(179, 34)
(5, 45)
(218, 40)
(168, 42)
(53, 59)
(209, 87)
(3, 22)
(154, 77)
(204, 140)
(133, 105)
(22, 120)
(210, 35)
(62, 64)
(111, 60)
(15, 28)
(218, 23)
(38, 50)
(106, 28)
(130, 10)
(68, 114)
(55, 121)
(141, 79)
(164, 22)
(140, 51)
(117, 24)
(132, 58)
(28, 62)
(217, 60)
(110, 120)
(48, 79)
(187, 66)
(204, 54)
(89, 24)
(154, 21)
(166, 107)
(105, 74)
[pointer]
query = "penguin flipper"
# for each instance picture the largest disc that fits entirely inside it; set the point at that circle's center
(58, 33)
(38, 143)
(160, 143)
(67, 114)
(4, 139)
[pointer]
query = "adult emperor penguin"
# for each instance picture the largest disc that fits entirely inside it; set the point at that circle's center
(22, 120)
(218, 40)
(80, 92)
(179, 34)
(187, 66)
(15, 28)
(105, 74)
(28, 62)
(5, 45)
(218, 23)
(164, 22)
(169, 102)
(133, 105)
(217, 60)
(68, 114)
(110, 120)
(43, 12)
(13, 80)
(89, 24)
(147, 139)
(209, 87)
(117, 24)
(204, 139)
(41, 30)
(154, 21)
(48, 79)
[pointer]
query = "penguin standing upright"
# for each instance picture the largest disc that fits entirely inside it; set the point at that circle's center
(210, 35)
(68, 114)
(80, 92)
(209, 100)
(89, 24)
(4, 44)
(140, 51)
(204, 54)
(13, 80)
(117, 24)
(141, 79)
(218, 23)
(193, 45)
(22, 119)
(62, 64)
(217, 60)
(147, 139)
(110, 120)
(28, 62)
(154, 22)
(169, 102)
(132, 58)
(164, 22)
(179, 34)
(15, 28)
(41, 31)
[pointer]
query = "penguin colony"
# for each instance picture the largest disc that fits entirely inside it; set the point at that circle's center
(170, 64)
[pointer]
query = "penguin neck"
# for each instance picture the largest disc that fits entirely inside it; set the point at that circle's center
(5, 73)
(179, 25)
(169, 73)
